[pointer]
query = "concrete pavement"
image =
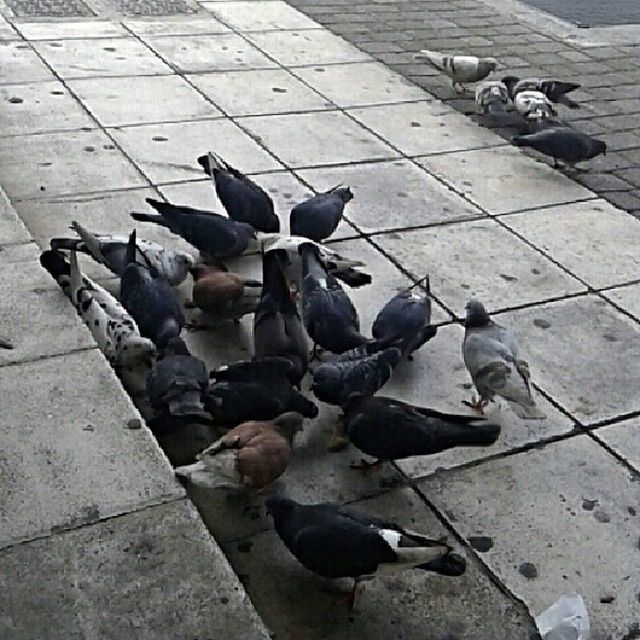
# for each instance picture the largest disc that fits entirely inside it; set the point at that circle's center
(102, 114)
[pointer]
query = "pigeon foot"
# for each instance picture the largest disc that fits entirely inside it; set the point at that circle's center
(350, 598)
(365, 466)
(477, 404)
(338, 440)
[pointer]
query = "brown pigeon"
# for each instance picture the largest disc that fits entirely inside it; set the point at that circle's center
(252, 455)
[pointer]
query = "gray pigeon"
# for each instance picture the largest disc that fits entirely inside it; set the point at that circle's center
(242, 199)
(563, 143)
(111, 251)
(491, 356)
(461, 69)
(318, 217)
(555, 90)
(177, 383)
(342, 542)
(492, 97)
(150, 300)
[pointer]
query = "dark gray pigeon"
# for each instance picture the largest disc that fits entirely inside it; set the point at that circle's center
(334, 382)
(242, 199)
(491, 356)
(329, 316)
(177, 383)
(405, 320)
(215, 235)
(318, 217)
(277, 328)
(150, 300)
(492, 97)
(341, 542)
(555, 90)
(563, 143)
(388, 429)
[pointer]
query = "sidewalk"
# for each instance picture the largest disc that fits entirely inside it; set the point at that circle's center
(108, 112)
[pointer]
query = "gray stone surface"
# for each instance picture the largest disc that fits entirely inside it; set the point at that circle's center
(62, 163)
(593, 240)
(19, 61)
(49, 8)
(586, 353)
(168, 152)
(112, 101)
(12, 229)
(564, 509)
(311, 139)
(63, 465)
(628, 298)
(478, 258)
(152, 575)
(263, 16)
(59, 30)
(623, 439)
(411, 604)
(162, 27)
(392, 195)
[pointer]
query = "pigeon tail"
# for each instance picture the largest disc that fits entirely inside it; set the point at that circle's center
(211, 163)
(474, 434)
(434, 58)
(92, 244)
(66, 244)
(149, 217)
(495, 108)
(211, 476)
(450, 564)
(567, 102)
(520, 141)
(350, 276)
(131, 248)
(527, 412)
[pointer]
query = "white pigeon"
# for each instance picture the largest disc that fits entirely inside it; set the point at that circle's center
(491, 356)
(533, 105)
(492, 96)
(111, 250)
(461, 69)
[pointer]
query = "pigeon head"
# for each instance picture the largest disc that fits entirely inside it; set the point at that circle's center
(477, 315)
(510, 82)
(288, 424)
(345, 193)
(176, 346)
(600, 147)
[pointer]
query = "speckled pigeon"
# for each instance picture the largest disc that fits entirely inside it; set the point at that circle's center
(492, 97)
(342, 542)
(490, 354)
(555, 90)
(318, 217)
(243, 199)
(461, 69)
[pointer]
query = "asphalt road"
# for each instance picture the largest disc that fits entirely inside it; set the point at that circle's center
(591, 13)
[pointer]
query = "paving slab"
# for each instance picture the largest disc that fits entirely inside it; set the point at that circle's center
(225, 52)
(411, 604)
(312, 139)
(504, 181)
(554, 517)
(586, 353)
(263, 16)
(168, 152)
(421, 128)
(478, 258)
(91, 583)
(40, 106)
(628, 298)
(593, 240)
(81, 58)
(66, 162)
(12, 229)
(50, 464)
(258, 92)
(309, 47)
(6, 31)
(623, 438)
(392, 195)
(18, 253)
(181, 27)
(21, 64)
(166, 98)
(363, 83)
(61, 30)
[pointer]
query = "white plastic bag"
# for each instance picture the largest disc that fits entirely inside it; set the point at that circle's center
(566, 619)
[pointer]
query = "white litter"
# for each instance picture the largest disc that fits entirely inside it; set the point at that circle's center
(566, 619)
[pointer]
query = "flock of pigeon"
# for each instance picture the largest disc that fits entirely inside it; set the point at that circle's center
(532, 98)
(258, 401)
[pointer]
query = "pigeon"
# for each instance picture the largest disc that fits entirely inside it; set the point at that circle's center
(491, 356)
(563, 143)
(177, 383)
(255, 390)
(534, 104)
(461, 69)
(492, 97)
(277, 328)
(213, 234)
(114, 330)
(388, 429)
(341, 542)
(318, 217)
(243, 199)
(253, 455)
(405, 319)
(150, 300)
(555, 90)
(343, 268)
(111, 251)
(223, 294)
(333, 382)
(329, 316)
